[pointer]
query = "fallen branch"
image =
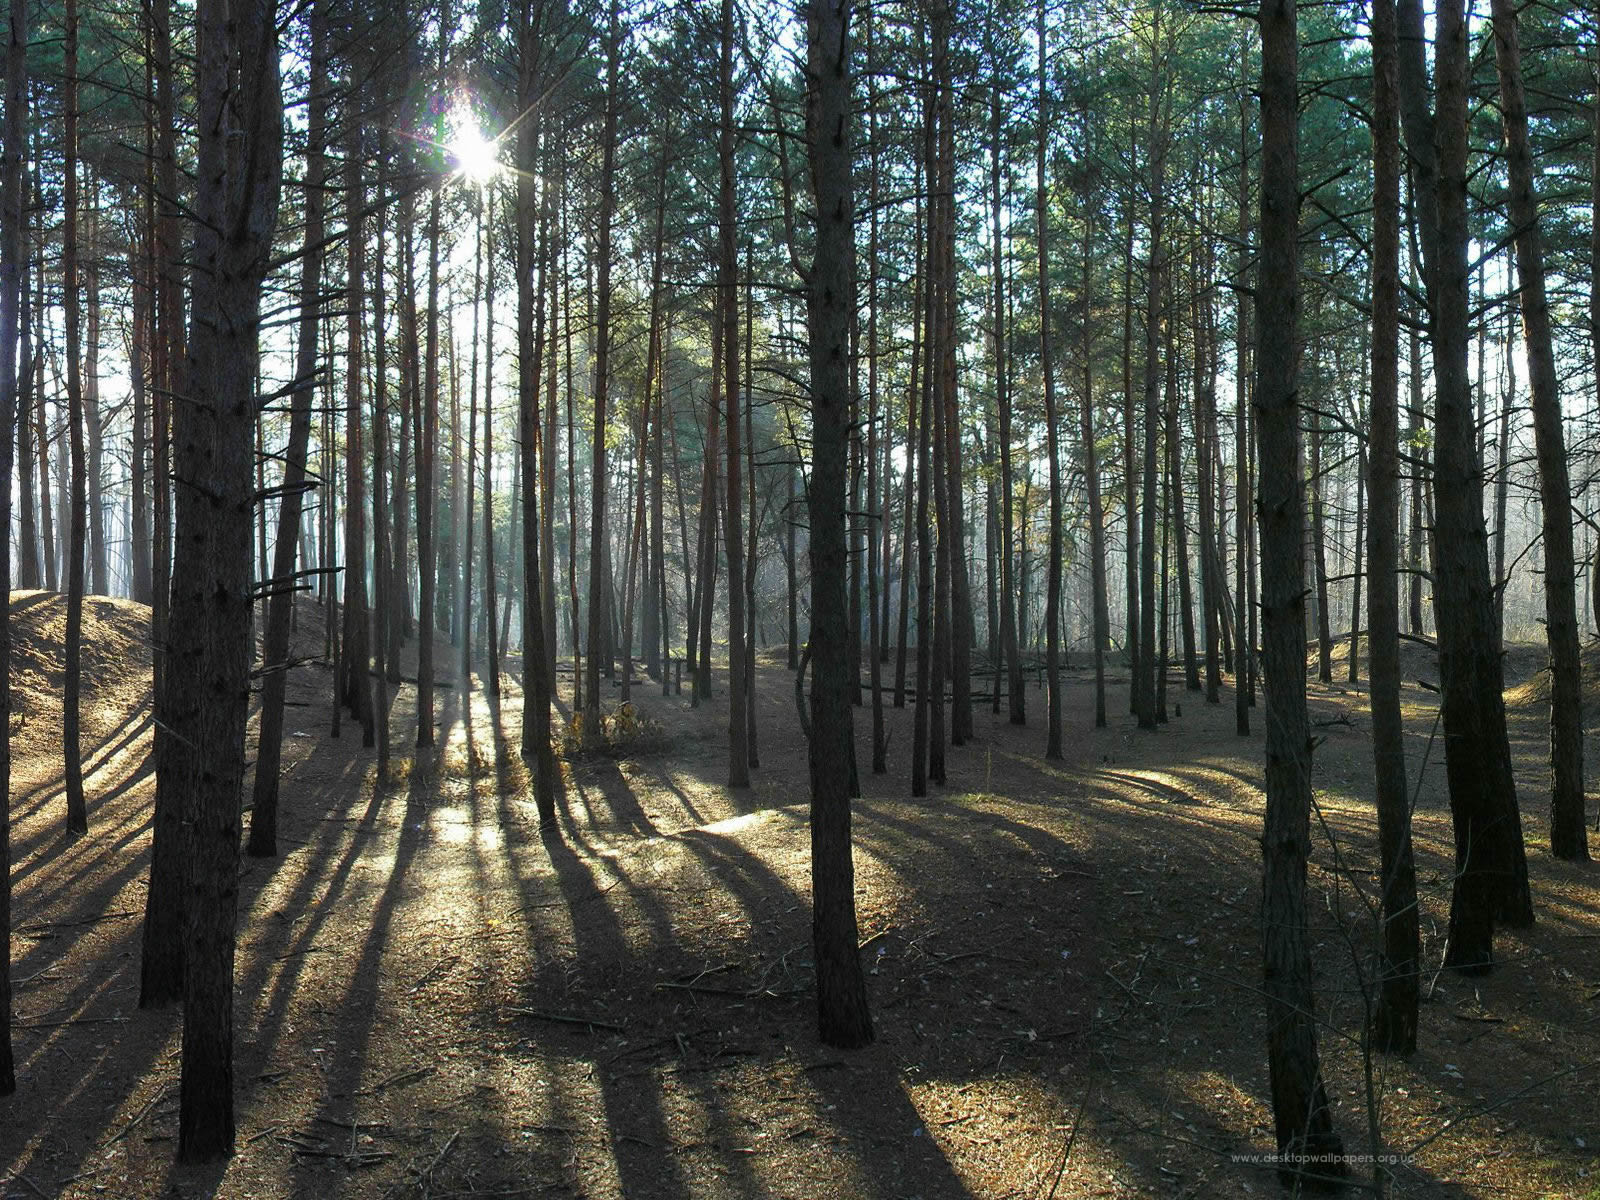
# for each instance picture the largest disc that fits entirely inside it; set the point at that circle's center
(566, 1019)
(42, 925)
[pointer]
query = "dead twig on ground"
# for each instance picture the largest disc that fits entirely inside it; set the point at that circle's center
(592, 1023)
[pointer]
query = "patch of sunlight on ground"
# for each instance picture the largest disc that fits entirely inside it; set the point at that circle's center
(739, 824)
(459, 832)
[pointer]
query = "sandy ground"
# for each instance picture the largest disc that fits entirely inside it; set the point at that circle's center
(436, 998)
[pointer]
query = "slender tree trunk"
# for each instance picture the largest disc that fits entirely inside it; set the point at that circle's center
(71, 744)
(275, 638)
(382, 574)
(598, 591)
(1491, 880)
(1300, 1107)
(1180, 535)
(470, 465)
(93, 430)
(1091, 472)
(356, 659)
(1568, 837)
(1394, 1023)
(1052, 603)
(1016, 698)
(1244, 585)
(733, 525)
(1320, 557)
(491, 600)
(426, 438)
(1145, 671)
(537, 678)
(13, 288)
(1130, 481)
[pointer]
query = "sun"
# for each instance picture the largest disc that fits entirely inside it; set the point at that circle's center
(477, 158)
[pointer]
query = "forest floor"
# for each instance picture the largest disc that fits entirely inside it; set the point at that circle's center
(438, 999)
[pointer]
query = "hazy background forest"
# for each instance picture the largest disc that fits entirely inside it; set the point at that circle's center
(511, 446)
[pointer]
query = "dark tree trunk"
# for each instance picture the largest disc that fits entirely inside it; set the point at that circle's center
(1130, 481)
(1091, 474)
(1145, 670)
(1491, 880)
(12, 290)
(356, 658)
(733, 524)
(1568, 838)
(71, 745)
(239, 158)
(537, 680)
(1244, 584)
(842, 1015)
(280, 606)
(1300, 1108)
(599, 590)
(1052, 602)
(1320, 557)
(1394, 1027)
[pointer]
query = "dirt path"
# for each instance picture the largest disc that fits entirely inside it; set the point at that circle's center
(435, 999)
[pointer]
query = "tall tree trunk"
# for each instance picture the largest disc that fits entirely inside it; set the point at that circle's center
(537, 679)
(491, 600)
(95, 467)
(28, 567)
(1017, 701)
(733, 525)
(1244, 589)
(239, 158)
(470, 464)
(71, 744)
(1491, 880)
(291, 503)
(1130, 481)
(1180, 534)
(161, 955)
(1052, 603)
(1394, 1027)
(425, 435)
(877, 552)
(1320, 557)
(1091, 473)
(382, 573)
(356, 660)
(598, 590)
(12, 290)
(1205, 419)
(842, 1016)
(1145, 671)
(1300, 1110)
(1568, 837)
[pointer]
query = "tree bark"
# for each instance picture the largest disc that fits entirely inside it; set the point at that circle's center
(598, 590)
(1491, 880)
(733, 525)
(537, 678)
(1568, 837)
(12, 290)
(1300, 1108)
(71, 744)
(842, 1015)
(239, 156)
(275, 637)
(1394, 1027)
(1052, 602)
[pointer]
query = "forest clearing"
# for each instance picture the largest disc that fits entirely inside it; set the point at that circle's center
(1050, 947)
